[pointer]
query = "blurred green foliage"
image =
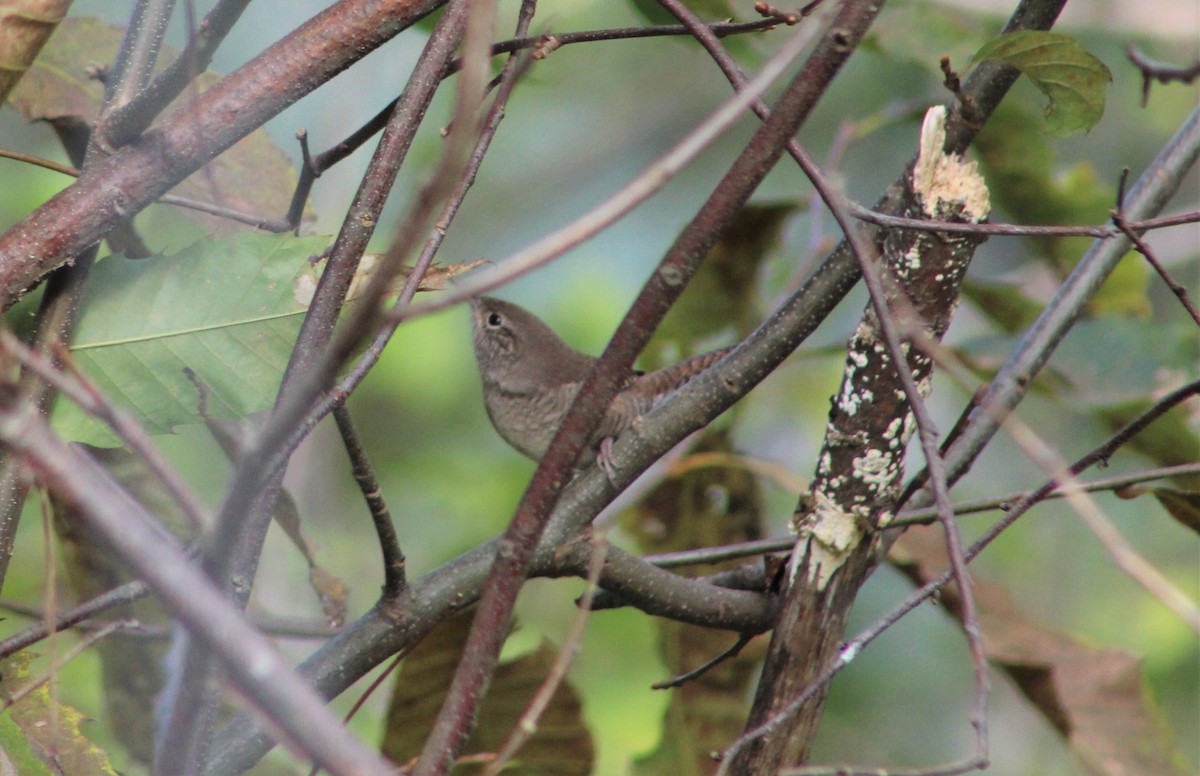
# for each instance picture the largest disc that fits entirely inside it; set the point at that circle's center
(573, 134)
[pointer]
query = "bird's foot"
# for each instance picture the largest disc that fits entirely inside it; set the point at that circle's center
(604, 458)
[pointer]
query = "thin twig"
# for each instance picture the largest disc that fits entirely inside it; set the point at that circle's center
(855, 646)
(272, 625)
(951, 81)
(925, 516)
(1099, 231)
(119, 596)
(861, 212)
(681, 679)
(258, 222)
(526, 726)
(57, 663)
(953, 769)
(1158, 71)
(1140, 245)
(554, 40)
(367, 692)
(394, 579)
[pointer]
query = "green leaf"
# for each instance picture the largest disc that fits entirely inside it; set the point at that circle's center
(1028, 182)
(1063, 70)
(225, 307)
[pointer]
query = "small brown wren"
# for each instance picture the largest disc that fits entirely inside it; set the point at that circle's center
(530, 377)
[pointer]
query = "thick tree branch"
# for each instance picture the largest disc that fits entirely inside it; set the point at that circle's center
(137, 174)
(236, 541)
(132, 532)
(1154, 187)
(664, 286)
(378, 634)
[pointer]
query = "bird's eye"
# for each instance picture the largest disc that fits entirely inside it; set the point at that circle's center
(494, 320)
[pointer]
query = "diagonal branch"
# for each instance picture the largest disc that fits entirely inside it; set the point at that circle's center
(1153, 189)
(136, 175)
(380, 633)
(249, 658)
(664, 286)
(236, 540)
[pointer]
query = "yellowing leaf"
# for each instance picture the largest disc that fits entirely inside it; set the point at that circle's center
(74, 753)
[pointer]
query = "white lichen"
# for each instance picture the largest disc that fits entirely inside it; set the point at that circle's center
(944, 181)
(831, 534)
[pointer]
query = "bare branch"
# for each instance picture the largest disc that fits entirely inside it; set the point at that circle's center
(1151, 192)
(664, 286)
(258, 669)
(242, 522)
(394, 579)
(1157, 71)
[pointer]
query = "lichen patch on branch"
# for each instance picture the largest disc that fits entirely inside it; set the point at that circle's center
(946, 183)
(830, 534)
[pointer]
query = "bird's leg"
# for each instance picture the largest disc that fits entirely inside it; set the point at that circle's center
(604, 458)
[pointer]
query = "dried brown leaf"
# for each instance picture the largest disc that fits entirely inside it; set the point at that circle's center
(1095, 697)
(562, 744)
